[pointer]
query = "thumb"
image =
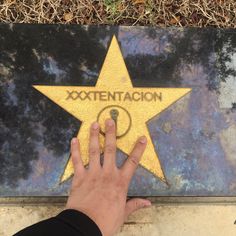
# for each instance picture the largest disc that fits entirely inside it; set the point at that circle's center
(135, 204)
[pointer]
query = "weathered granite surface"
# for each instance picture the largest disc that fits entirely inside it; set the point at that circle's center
(194, 138)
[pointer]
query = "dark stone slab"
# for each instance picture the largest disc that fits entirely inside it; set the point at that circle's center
(195, 137)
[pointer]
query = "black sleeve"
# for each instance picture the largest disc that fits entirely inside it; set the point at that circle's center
(67, 223)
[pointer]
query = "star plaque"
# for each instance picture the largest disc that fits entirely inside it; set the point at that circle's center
(176, 86)
(115, 97)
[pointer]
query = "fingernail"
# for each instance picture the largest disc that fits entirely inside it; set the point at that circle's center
(110, 122)
(143, 139)
(74, 140)
(147, 204)
(95, 125)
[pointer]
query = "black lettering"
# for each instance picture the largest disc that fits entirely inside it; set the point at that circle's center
(127, 97)
(138, 96)
(157, 96)
(102, 96)
(72, 94)
(111, 96)
(119, 94)
(150, 97)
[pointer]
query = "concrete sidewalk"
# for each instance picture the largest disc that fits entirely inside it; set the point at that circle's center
(162, 219)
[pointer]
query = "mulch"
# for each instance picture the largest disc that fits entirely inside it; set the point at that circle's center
(197, 13)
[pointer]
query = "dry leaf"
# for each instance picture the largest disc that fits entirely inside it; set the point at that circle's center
(121, 7)
(9, 2)
(68, 16)
(138, 2)
(175, 20)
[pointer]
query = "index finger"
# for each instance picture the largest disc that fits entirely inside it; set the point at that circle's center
(134, 158)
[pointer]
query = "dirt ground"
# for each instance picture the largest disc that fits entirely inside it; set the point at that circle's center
(199, 13)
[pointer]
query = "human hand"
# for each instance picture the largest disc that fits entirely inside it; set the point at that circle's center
(100, 192)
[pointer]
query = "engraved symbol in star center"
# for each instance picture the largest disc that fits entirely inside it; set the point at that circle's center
(121, 117)
(114, 114)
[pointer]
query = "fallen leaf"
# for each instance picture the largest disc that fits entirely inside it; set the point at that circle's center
(9, 2)
(175, 20)
(139, 2)
(68, 16)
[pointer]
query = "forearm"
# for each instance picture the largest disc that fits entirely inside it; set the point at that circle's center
(68, 223)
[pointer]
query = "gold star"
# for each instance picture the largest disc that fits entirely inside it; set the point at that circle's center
(114, 96)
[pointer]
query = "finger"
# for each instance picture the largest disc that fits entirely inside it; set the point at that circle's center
(136, 204)
(110, 143)
(94, 148)
(132, 161)
(76, 158)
